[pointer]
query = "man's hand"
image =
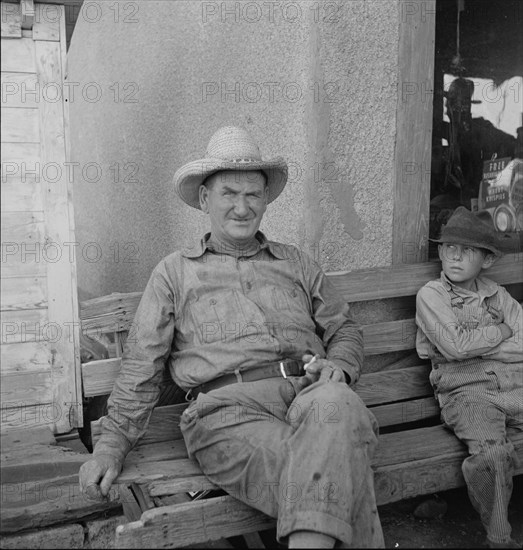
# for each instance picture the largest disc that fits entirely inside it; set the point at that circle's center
(97, 476)
(321, 370)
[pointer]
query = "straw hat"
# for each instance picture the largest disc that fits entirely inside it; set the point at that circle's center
(467, 228)
(230, 148)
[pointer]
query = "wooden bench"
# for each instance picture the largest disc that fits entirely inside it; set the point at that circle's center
(416, 454)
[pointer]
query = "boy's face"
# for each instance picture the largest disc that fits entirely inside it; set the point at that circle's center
(463, 263)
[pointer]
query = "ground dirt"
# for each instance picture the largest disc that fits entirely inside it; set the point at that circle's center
(459, 527)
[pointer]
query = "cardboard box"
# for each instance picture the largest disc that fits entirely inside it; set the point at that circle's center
(501, 193)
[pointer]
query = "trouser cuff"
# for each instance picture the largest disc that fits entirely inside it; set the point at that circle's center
(318, 522)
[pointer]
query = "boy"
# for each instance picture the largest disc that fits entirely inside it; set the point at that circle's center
(472, 331)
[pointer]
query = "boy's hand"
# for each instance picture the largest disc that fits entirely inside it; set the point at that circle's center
(506, 331)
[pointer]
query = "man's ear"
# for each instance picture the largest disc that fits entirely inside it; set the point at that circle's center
(489, 261)
(203, 193)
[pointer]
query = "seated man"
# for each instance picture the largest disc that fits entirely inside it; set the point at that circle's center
(235, 318)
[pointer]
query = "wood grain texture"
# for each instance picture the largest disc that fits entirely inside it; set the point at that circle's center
(23, 293)
(412, 410)
(47, 22)
(64, 536)
(18, 56)
(27, 387)
(163, 425)
(20, 90)
(413, 133)
(394, 385)
(61, 274)
(405, 280)
(21, 197)
(198, 521)
(36, 504)
(18, 416)
(99, 376)
(20, 125)
(389, 336)
(24, 325)
(18, 153)
(11, 16)
(114, 312)
(20, 357)
(23, 227)
(23, 259)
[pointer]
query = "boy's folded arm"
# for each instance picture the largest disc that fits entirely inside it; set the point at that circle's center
(510, 350)
(435, 317)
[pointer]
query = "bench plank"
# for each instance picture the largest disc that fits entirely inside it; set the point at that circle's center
(394, 385)
(407, 392)
(179, 525)
(405, 412)
(158, 461)
(393, 482)
(163, 425)
(100, 375)
(389, 336)
(111, 313)
(407, 279)
(115, 311)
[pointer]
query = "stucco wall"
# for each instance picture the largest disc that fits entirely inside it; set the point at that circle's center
(315, 82)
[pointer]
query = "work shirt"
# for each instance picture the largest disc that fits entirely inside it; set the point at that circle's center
(207, 312)
(455, 324)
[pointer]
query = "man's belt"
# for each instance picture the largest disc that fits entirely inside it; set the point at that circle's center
(287, 367)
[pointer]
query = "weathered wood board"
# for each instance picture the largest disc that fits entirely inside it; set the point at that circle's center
(40, 367)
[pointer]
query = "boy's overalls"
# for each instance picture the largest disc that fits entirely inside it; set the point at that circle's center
(480, 399)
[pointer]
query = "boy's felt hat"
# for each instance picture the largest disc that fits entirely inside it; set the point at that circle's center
(230, 148)
(468, 228)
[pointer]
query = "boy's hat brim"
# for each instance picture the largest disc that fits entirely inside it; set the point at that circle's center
(467, 228)
(230, 148)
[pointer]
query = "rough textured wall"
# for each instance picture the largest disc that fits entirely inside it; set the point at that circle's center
(314, 82)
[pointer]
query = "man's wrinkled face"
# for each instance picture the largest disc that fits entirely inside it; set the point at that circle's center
(235, 201)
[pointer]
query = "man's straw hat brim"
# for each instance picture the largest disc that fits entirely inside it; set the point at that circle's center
(230, 148)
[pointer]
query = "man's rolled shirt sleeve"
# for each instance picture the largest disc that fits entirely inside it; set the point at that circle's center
(137, 387)
(342, 337)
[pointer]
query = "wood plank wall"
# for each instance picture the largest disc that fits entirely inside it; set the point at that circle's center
(40, 344)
